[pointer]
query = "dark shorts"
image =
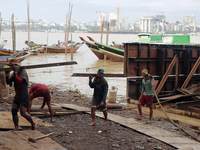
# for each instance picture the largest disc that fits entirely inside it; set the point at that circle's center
(24, 101)
(96, 105)
(146, 99)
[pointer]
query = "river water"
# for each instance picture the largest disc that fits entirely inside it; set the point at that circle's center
(87, 61)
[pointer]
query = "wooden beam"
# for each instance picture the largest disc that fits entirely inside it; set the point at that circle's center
(92, 74)
(43, 65)
(191, 74)
(164, 78)
(193, 109)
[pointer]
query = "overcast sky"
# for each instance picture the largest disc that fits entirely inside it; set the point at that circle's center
(84, 10)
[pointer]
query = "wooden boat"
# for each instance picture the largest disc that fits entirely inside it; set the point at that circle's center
(8, 52)
(112, 53)
(94, 49)
(20, 57)
(33, 45)
(61, 49)
(2, 44)
(36, 51)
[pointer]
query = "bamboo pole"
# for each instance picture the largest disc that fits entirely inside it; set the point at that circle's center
(71, 49)
(13, 37)
(101, 31)
(47, 40)
(28, 24)
(65, 39)
(68, 30)
(194, 137)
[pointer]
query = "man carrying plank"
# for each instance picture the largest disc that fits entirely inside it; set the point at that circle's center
(100, 86)
(21, 100)
(147, 93)
(40, 90)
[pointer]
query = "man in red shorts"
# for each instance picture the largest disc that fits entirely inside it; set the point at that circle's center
(40, 90)
(146, 94)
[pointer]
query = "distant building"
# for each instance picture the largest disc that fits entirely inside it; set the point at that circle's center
(147, 24)
(113, 21)
(188, 19)
(124, 23)
(102, 17)
(160, 17)
(170, 27)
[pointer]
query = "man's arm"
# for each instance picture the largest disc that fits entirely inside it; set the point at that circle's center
(105, 87)
(91, 84)
(43, 104)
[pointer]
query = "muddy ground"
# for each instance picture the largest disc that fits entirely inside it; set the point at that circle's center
(75, 134)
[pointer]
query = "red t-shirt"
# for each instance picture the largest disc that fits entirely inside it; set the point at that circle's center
(40, 90)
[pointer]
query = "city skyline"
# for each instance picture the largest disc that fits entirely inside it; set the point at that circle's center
(84, 10)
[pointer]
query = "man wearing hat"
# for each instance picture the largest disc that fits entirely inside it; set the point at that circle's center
(100, 86)
(147, 93)
(40, 90)
(21, 100)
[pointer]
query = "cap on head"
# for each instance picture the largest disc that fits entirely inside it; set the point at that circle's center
(33, 84)
(101, 70)
(12, 62)
(145, 71)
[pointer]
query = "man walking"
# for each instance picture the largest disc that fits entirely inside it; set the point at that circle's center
(40, 90)
(21, 100)
(100, 86)
(146, 94)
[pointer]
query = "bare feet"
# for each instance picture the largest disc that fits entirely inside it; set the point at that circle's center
(35, 127)
(17, 129)
(52, 120)
(139, 118)
(105, 122)
(148, 122)
(92, 124)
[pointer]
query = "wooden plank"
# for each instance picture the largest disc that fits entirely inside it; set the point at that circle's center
(191, 74)
(18, 140)
(164, 78)
(186, 91)
(94, 75)
(35, 108)
(7, 123)
(193, 109)
(43, 65)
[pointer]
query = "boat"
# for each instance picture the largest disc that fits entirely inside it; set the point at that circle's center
(20, 57)
(8, 52)
(61, 49)
(36, 51)
(112, 53)
(33, 45)
(94, 48)
(2, 44)
(150, 38)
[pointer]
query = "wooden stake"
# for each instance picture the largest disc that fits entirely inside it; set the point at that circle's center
(102, 24)
(68, 30)
(107, 33)
(28, 24)
(47, 40)
(71, 49)
(13, 37)
(191, 73)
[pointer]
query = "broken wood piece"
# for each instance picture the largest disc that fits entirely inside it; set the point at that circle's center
(113, 106)
(36, 108)
(43, 65)
(38, 138)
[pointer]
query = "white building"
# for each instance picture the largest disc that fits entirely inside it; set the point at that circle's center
(147, 24)
(124, 23)
(113, 21)
(188, 19)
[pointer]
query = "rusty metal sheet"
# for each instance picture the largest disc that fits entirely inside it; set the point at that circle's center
(19, 140)
(7, 123)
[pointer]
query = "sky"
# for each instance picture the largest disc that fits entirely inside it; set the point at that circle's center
(84, 10)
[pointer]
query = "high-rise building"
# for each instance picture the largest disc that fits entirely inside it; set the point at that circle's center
(124, 23)
(147, 24)
(113, 21)
(188, 19)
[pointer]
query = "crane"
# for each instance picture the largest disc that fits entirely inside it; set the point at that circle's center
(100, 12)
(118, 9)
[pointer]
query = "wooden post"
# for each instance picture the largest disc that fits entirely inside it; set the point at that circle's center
(71, 49)
(191, 73)
(107, 33)
(101, 31)
(13, 37)
(177, 72)
(47, 40)
(28, 24)
(0, 23)
(164, 78)
(68, 30)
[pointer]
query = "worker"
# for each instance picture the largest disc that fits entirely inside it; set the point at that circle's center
(100, 86)
(40, 90)
(146, 96)
(21, 99)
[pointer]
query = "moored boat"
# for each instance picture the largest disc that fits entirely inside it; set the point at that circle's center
(94, 49)
(8, 52)
(112, 53)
